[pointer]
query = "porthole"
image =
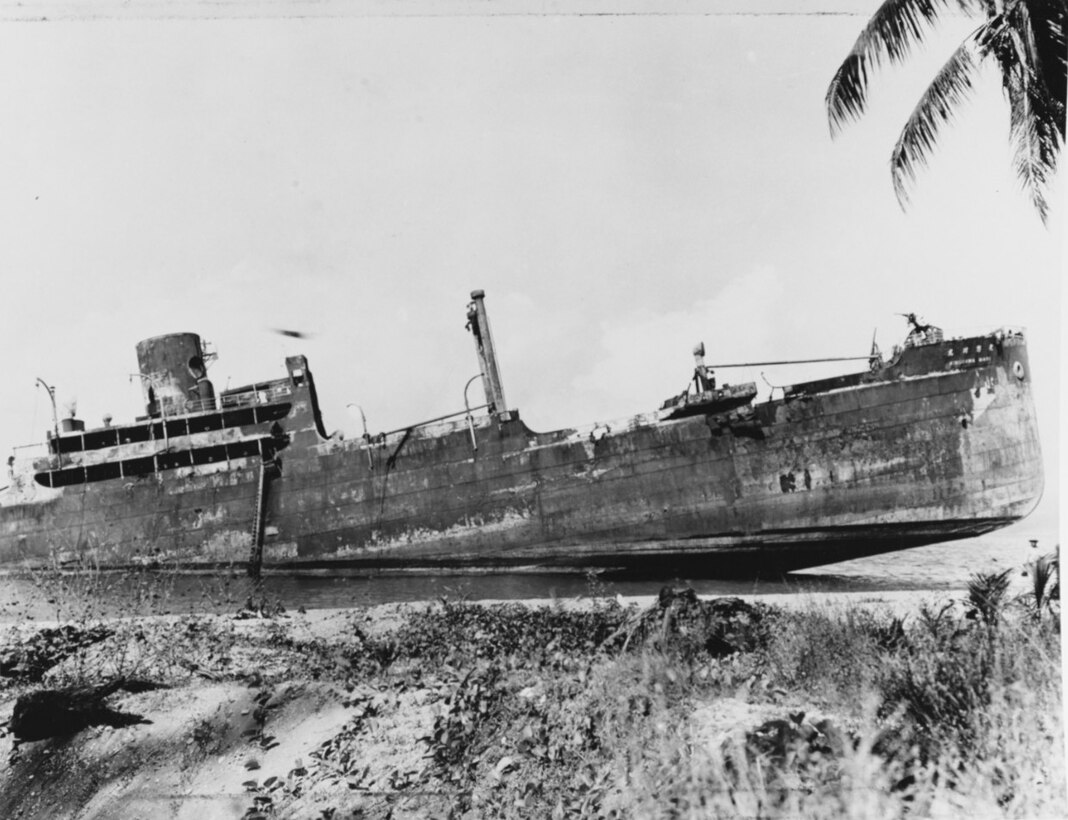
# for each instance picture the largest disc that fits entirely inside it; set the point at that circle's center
(1018, 370)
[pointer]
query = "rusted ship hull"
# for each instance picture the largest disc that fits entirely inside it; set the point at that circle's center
(940, 444)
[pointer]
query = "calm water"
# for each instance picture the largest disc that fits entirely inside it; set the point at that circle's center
(938, 567)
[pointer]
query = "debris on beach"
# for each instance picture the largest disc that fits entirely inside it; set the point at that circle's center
(721, 626)
(260, 607)
(796, 738)
(47, 713)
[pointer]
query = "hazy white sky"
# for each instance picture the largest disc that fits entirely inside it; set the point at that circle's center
(621, 187)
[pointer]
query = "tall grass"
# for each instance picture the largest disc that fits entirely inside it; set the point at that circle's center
(964, 718)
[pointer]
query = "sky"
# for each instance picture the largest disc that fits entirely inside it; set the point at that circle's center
(622, 186)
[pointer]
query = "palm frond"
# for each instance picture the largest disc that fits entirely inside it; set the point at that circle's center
(1049, 22)
(986, 595)
(1036, 142)
(890, 34)
(1036, 111)
(1027, 40)
(1045, 585)
(949, 89)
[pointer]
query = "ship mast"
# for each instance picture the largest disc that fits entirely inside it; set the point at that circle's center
(478, 324)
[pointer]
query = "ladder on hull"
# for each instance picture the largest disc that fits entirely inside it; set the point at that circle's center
(268, 470)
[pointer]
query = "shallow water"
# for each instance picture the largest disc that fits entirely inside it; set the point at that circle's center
(938, 567)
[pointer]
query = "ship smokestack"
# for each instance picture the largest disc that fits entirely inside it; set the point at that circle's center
(173, 374)
(478, 323)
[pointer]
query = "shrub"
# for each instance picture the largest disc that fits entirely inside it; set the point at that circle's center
(454, 741)
(468, 631)
(28, 659)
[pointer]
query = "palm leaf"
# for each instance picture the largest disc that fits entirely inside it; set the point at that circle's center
(1044, 583)
(1035, 139)
(1026, 38)
(1024, 45)
(986, 595)
(890, 34)
(949, 89)
(1049, 21)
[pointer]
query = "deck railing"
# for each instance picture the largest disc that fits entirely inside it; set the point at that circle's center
(251, 398)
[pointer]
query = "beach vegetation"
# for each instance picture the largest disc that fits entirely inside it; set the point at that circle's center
(688, 707)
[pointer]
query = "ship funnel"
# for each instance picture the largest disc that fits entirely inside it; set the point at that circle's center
(174, 374)
(478, 324)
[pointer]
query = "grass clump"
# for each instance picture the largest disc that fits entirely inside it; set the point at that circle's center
(830, 656)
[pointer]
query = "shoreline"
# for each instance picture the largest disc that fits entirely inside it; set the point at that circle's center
(894, 602)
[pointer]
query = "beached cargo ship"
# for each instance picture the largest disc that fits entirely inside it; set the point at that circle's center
(938, 442)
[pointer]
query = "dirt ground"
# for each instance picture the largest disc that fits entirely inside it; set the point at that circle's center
(239, 719)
